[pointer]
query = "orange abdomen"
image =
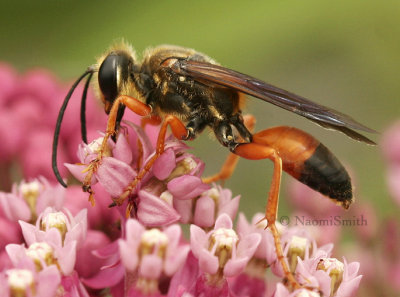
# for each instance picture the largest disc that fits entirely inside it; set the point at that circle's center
(309, 161)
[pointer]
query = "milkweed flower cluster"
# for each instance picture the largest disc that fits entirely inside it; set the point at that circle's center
(54, 243)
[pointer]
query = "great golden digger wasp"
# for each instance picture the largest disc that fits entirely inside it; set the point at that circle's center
(188, 91)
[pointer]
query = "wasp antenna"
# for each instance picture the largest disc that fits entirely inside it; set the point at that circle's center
(58, 127)
(83, 109)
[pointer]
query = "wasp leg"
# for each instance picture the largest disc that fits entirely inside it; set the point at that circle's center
(231, 161)
(133, 104)
(255, 151)
(180, 132)
(154, 120)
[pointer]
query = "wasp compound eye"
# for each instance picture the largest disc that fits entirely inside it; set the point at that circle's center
(108, 77)
(113, 72)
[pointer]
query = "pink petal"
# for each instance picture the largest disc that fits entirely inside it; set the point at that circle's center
(184, 208)
(174, 234)
(134, 231)
(129, 257)
(198, 240)
(78, 171)
(393, 182)
(164, 165)
(349, 288)
(144, 139)
(14, 208)
(16, 252)
(248, 245)
(107, 251)
(235, 266)
(53, 196)
(87, 264)
(106, 278)
(230, 208)
(152, 211)
(67, 258)
(208, 262)
(114, 175)
(51, 236)
(187, 187)
(204, 213)
(10, 232)
(175, 260)
(48, 282)
(223, 221)
(151, 266)
(391, 143)
(29, 232)
(351, 269)
(281, 291)
(185, 278)
(122, 150)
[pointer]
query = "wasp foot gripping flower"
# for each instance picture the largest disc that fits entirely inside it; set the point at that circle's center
(113, 171)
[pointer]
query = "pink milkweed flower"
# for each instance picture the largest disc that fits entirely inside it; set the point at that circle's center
(25, 281)
(329, 276)
(390, 144)
(266, 249)
(391, 148)
(44, 255)
(28, 199)
(57, 227)
(212, 203)
(282, 291)
(147, 255)
(153, 211)
(114, 171)
(298, 244)
(221, 252)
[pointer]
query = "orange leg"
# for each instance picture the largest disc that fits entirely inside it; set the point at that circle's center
(133, 104)
(179, 131)
(231, 161)
(255, 151)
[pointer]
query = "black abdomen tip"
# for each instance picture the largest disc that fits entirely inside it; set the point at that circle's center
(324, 173)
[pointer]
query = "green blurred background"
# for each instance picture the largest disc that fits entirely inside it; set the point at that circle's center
(343, 54)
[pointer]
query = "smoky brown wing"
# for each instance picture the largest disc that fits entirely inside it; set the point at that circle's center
(322, 115)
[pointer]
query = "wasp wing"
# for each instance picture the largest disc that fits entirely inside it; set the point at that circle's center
(322, 115)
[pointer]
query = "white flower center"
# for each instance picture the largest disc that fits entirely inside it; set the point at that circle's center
(30, 192)
(307, 293)
(222, 242)
(56, 220)
(214, 194)
(297, 248)
(41, 252)
(30, 188)
(167, 197)
(182, 167)
(153, 241)
(335, 268)
(94, 146)
(19, 280)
